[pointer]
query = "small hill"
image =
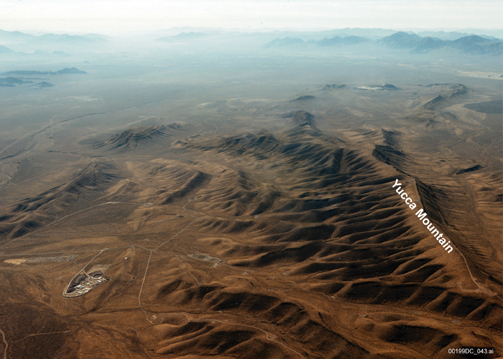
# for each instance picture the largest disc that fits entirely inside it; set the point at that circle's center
(386, 87)
(304, 98)
(44, 84)
(303, 118)
(286, 41)
(329, 87)
(446, 96)
(389, 87)
(35, 212)
(135, 137)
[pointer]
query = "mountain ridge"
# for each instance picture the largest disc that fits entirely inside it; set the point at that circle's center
(469, 44)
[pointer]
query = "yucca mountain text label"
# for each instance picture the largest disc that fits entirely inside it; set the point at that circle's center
(421, 214)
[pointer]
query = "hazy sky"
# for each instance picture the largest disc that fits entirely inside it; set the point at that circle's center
(108, 16)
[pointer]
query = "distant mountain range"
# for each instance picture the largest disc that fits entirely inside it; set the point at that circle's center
(184, 36)
(5, 50)
(286, 41)
(73, 39)
(342, 41)
(471, 44)
(20, 37)
(12, 42)
(65, 71)
(16, 78)
(334, 41)
(14, 36)
(13, 82)
(443, 35)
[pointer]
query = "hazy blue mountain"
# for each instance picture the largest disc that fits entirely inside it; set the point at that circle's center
(477, 45)
(333, 41)
(495, 48)
(329, 87)
(491, 33)
(12, 81)
(472, 44)
(373, 34)
(401, 40)
(443, 35)
(65, 71)
(14, 36)
(69, 70)
(342, 41)
(40, 52)
(26, 73)
(60, 53)
(44, 45)
(44, 84)
(183, 36)
(68, 39)
(470, 40)
(286, 41)
(5, 50)
(426, 44)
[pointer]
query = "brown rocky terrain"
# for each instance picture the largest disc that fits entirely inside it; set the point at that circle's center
(281, 238)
